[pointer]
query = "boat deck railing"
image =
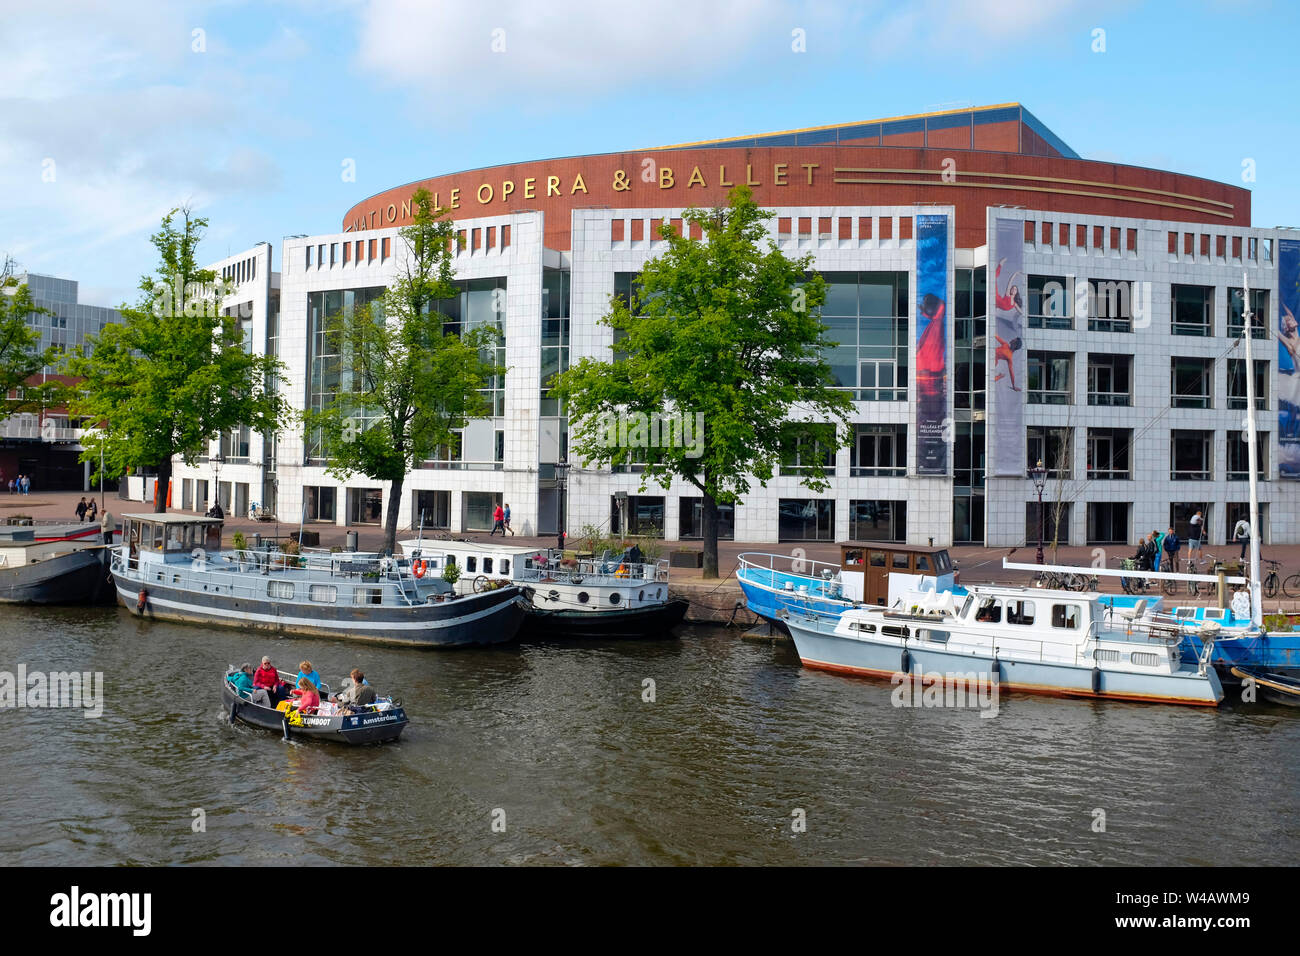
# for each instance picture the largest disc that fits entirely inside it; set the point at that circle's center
(610, 573)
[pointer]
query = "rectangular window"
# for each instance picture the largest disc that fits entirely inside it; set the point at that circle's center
(879, 521)
(1240, 511)
(1191, 455)
(478, 507)
(1051, 446)
(1193, 310)
(806, 519)
(320, 503)
(1110, 305)
(1050, 304)
(365, 505)
(690, 522)
(806, 448)
(1051, 378)
(1191, 382)
(990, 611)
(432, 510)
(282, 590)
(1110, 379)
(1237, 383)
(323, 593)
(880, 451)
(1259, 310)
(1109, 455)
(637, 515)
(1055, 520)
(1020, 612)
(867, 317)
(368, 596)
(1066, 616)
(1108, 522)
(1239, 456)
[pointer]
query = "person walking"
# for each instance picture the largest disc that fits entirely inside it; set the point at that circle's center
(1156, 540)
(82, 508)
(498, 522)
(1241, 532)
(505, 520)
(27, 484)
(1194, 532)
(1171, 545)
(92, 511)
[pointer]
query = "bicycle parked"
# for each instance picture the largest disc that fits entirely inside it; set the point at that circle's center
(1132, 585)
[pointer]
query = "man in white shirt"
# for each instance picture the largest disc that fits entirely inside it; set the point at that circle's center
(1242, 533)
(1194, 539)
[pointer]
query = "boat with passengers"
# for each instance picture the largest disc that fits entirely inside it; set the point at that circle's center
(1062, 643)
(866, 573)
(615, 595)
(382, 721)
(173, 567)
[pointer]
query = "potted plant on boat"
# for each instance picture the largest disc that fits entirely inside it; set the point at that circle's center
(451, 574)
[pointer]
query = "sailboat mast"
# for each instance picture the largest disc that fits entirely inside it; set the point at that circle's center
(1252, 454)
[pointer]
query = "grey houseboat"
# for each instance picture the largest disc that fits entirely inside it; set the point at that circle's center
(172, 567)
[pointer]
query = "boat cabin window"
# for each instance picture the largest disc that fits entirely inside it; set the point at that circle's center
(990, 611)
(852, 557)
(505, 565)
(929, 634)
(923, 564)
(1216, 614)
(864, 628)
(900, 560)
(471, 564)
(280, 589)
(1020, 612)
(891, 630)
(451, 559)
(877, 559)
(369, 595)
(1065, 615)
(324, 593)
(487, 565)
(942, 563)
(966, 605)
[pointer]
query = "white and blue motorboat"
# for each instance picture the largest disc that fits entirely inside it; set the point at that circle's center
(1062, 643)
(867, 573)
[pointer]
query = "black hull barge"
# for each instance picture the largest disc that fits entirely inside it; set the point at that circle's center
(172, 568)
(370, 726)
(52, 570)
(657, 621)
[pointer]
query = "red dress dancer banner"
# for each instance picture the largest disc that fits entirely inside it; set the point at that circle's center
(1007, 363)
(932, 422)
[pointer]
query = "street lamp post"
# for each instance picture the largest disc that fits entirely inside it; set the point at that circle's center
(561, 486)
(217, 461)
(1039, 475)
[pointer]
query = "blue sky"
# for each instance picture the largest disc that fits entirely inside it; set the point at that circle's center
(112, 114)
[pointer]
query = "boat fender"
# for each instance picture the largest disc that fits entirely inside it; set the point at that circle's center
(995, 670)
(1096, 680)
(905, 665)
(141, 600)
(234, 705)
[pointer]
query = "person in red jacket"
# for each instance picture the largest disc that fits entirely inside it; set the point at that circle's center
(498, 522)
(308, 697)
(268, 678)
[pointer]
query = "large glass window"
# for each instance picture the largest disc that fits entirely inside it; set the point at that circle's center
(1259, 320)
(1110, 305)
(1055, 521)
(880, 450)
(805, 447)
(555, 333)
(320, 503)
(866, 315)
(432, 510)
(480, 303)
(1051, 446)
(1191, 382)
(1110, 379)
(1191, 455)
(1239, 456)
(1108, 522)
(968, 457)
(1193, 310)
(1051, 378)
(477, 509)
(1109, 453)
(365, 505)
(970, 339)
(690, 522)
(644, 513)
(326, 375)
(1050, 303)
(806, 519)
(1237, 383)
(878, 521)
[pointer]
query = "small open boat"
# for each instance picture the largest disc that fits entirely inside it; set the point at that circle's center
(1277, 688)
(372, 724)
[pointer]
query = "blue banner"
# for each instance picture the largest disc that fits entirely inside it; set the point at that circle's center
(933, 427)
(1288, 359)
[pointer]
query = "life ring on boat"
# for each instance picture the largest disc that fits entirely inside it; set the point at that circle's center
(141, 600)
(418, 568)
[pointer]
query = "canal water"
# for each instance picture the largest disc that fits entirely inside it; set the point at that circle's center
(551, 754)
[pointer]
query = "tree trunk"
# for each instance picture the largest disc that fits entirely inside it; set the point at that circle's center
(164, 480)
(393, 511)
(709, 531)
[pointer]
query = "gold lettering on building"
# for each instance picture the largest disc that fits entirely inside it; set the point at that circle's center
(507, 187)
(406, 208)
(778, 174)
(488, 187)
(666, 180)
(578, 184)
(552, 185)
(697, 179)
(621, 185)
(722, 177)
(749, 176)
(391, 212)
(810, 167)
(529, 187)
(455, 198)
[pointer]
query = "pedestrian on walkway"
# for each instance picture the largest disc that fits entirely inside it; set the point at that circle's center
(92, 510)
(82, 507)
(498, 522)
(107, 525)
(1197, 527)
(505, 519)
(27, 484)
(1241, 532)
(1156, 540)
(1171, 546)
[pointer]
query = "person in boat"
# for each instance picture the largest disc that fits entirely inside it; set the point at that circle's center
(357, 694)
(308, 696)
(242, 680)
(306, 670)
(268, 678)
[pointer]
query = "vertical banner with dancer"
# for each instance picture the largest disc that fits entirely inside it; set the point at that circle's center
(931, 345)
(1288, 359)
(1006, 343)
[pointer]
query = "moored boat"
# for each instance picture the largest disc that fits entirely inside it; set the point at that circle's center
(172, 567)
(1025, 639)
(623, 596)
(366, 724)
(51, 570)
(1274, 687)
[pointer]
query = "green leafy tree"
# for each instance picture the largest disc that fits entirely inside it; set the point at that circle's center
(407, 383)
(21, 359)
(725, 332)
(175, 373)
